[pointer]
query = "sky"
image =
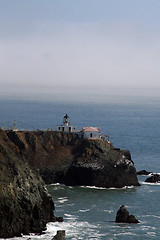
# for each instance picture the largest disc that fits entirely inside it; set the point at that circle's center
(79, 45)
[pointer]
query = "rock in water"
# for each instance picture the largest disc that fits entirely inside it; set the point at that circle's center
(132, 219)
(60, 235)
(153, 179)
(143, 172)
(25, 205)
(124, 217)
(99, 164)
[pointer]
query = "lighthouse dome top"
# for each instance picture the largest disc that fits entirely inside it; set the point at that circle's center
(66, 120)
(66, 116)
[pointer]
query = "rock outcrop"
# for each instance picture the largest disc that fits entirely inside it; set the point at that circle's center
(65, 158)
(153, 179)
(143, 172)
(124, 217)
(98, 164)
(60, 235)
(25, 205)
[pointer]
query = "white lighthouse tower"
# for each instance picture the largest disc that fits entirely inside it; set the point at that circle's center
(14, 128)
(66, 126)
(66, 121)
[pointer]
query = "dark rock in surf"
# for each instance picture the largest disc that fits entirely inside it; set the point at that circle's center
(59, 219)
(124, 217)
(60, 235)
(143, 172)
(98, 164)
(153, 179)
(132, 219)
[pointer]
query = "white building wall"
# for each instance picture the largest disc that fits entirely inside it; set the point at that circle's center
(64, 128)
(91, 134)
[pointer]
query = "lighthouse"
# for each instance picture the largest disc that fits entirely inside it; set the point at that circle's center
(66, 126)
(66, 121)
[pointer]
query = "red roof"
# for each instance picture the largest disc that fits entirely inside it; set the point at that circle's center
(90, 129)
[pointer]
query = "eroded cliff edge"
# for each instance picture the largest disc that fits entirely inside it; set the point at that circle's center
(65, 158)
(25, 205)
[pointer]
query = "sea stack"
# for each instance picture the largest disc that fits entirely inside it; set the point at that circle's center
(124, 217)
(60, 235)
(155, 178)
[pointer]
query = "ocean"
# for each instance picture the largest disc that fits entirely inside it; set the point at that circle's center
(89, 212)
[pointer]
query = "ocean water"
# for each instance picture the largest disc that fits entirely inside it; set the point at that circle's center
(89, 212)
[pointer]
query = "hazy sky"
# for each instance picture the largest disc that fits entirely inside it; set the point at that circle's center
(80, 43)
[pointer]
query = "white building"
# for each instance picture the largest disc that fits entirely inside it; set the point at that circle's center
(85, 132)
(91, 132)
(14, 128)
(66, 126)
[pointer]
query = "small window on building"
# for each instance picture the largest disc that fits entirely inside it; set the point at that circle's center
(91, 135)
(63, 129)
(59, 128)
(69, 129)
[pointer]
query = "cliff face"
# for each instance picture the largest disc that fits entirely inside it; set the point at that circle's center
(25, 205)
(99, 164)
(64, 158)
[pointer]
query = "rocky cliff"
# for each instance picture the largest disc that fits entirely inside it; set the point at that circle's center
(64, 158)
(25, 205)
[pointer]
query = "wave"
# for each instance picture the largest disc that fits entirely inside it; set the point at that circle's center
(155, 216)
(70, 217)
(92, 187)
(111, 188)
(56, 184)
(62, 199)
(74, 229)
(147, 183)
(151, 234)
(84, 210)
(125, 233)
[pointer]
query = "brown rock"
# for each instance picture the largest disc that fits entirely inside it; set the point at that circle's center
(66, 158)
(143, 172)
(153, 179)
(60, 235)
(124, 217)
(25, 205)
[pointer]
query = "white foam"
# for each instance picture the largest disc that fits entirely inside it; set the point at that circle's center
(111, 188)
(70, 217)
(62, 199)
(155, 216)
(153, 184)
(109, 211)
(93, 187)
(147, 228)
(55, 184)
(72, 229)
(84, 210)
(125, 187)
(152, 234)
(125, 233)
(67, 215)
